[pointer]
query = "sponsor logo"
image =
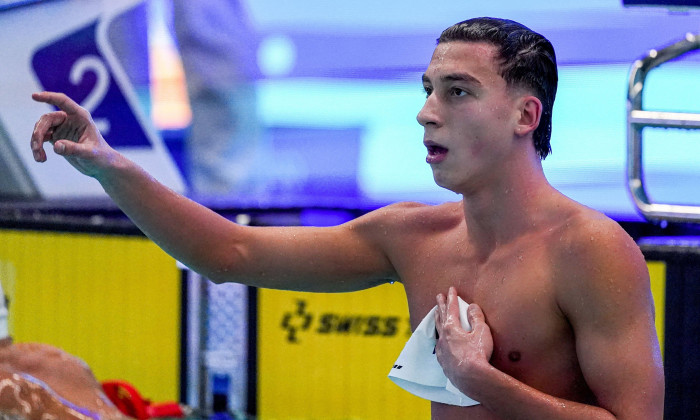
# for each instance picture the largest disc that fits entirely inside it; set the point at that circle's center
(303, 320)
(298, 320)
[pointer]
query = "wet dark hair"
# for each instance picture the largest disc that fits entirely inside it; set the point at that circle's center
(527, 60)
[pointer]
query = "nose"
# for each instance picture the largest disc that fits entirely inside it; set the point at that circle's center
(428, 114)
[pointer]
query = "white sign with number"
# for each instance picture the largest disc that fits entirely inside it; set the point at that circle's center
(63, 46)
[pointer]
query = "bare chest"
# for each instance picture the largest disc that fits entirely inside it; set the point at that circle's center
(515, 288)
(510, 284)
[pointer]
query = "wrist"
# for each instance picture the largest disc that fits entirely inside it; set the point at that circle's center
(113, 165)
(477, 380)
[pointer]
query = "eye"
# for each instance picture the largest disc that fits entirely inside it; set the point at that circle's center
(427, 90)
(458, 92)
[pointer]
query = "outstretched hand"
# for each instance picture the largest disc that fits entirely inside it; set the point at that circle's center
(462, 354)
(73, 134)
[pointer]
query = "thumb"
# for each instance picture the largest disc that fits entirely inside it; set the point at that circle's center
(59, 147)
(67, 148)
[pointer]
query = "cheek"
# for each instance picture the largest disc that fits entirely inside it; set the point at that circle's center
(494, 125)
(477, 147)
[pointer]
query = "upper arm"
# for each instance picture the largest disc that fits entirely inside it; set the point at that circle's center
(607, 300)
(347, 257)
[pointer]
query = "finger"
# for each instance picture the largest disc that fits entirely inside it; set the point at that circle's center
(59, 100)
(37, 145)
(439, 313)
(43, 130)
(452, 302)
(450, 308)
(441, 307)
(475, 316)
(441, 303)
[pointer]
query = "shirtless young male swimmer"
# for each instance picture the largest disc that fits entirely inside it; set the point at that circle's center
(563, 321)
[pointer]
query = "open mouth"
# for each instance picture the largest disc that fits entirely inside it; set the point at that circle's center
(436, 153)
(434, 150)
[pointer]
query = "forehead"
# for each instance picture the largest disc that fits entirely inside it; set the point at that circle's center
(479, 59)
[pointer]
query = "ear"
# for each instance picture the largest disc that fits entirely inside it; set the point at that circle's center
(530, 112)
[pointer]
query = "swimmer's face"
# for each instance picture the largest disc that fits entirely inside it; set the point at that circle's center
(470, 115)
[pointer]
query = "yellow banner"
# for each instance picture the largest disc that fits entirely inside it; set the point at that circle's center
(327, 356)
(657, 276)
(113, 301)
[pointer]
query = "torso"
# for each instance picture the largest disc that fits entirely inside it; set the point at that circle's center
(515, 287)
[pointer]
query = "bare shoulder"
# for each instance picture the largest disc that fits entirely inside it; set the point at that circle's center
(595, 258)
(414, 217)
(589, 237)
(400, 230)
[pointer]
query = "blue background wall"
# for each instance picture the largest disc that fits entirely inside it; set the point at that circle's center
(356, 66)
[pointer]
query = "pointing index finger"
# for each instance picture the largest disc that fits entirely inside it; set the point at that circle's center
(59, 100)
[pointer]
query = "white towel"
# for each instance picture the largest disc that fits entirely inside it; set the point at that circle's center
(417, 369)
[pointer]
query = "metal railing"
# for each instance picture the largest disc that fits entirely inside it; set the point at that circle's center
(638, 119)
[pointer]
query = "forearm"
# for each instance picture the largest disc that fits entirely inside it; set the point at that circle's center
(509, 398)
(188, 231)
(192, 234)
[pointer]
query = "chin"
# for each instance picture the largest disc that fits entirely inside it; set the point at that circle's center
(449, 184)
(443, 182)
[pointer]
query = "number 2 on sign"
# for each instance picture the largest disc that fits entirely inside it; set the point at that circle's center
(91, 63)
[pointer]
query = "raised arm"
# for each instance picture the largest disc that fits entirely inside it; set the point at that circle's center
(341, 258)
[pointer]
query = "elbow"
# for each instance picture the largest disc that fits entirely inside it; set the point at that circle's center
(218, 278)
(226, 266)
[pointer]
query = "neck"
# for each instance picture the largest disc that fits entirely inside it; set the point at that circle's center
(514, 203)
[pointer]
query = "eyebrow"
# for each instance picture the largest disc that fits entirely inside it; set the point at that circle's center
(455, 77)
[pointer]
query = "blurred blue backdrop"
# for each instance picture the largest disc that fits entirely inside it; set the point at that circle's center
(338, 88)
